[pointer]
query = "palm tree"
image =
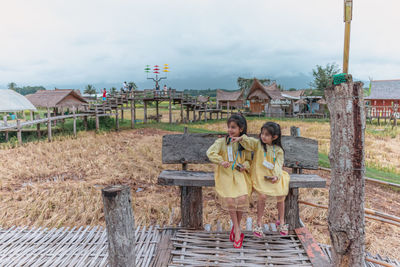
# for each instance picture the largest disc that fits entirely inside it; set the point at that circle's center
(90, 90)
(12, 86)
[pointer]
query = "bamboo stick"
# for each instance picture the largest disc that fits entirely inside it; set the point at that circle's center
(390, 219)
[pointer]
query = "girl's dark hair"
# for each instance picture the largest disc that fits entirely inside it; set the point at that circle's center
(273, 129)
(242, 123)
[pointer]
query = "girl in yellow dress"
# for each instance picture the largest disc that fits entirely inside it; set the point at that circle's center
(232, 182)
(267, 175)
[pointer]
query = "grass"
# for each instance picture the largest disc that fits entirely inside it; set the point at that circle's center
(370, 172)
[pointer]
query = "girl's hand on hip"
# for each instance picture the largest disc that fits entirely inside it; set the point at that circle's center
(274, 180)
(225, 164)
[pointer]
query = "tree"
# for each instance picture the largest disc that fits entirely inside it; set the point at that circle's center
(12, 86)
(323, 76)
(245, 83)
(90, 90)
(132, 85)
(113, 90)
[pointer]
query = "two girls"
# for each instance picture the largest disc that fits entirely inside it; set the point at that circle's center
(233, 183)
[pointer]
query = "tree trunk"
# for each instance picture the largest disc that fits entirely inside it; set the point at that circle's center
(346, 194)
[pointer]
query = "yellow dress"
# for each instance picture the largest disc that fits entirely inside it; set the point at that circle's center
(279, 189)
(232, 186)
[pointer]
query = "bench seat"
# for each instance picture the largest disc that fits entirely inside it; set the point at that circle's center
(198, 178)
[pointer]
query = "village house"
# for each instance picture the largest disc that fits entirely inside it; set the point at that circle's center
(384, 98)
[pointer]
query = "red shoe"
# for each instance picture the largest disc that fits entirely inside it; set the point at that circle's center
(238, 244)
(232, 235)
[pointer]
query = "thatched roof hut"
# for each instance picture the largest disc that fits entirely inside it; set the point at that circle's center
(59, 98)
(230, 98)
(261, 95)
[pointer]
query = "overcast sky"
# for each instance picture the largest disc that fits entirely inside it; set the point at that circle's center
(207, 44)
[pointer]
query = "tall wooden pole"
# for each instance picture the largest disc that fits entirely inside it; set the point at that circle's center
(74, 123)
(346, 193)
(348, 9)
(132, 114)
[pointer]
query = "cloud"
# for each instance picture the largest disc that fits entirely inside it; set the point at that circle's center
(80, 42)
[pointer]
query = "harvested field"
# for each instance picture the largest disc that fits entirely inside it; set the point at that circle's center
(382, 145)
(58, 184)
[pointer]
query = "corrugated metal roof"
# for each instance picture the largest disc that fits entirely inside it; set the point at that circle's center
(385, 89)
(11, 101)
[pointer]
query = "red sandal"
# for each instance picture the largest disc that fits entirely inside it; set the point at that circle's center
(232, 235)
(238, 244)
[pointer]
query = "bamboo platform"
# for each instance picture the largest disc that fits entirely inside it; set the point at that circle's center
(87, 246)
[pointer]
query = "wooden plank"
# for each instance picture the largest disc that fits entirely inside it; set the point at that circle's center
(314, 252)
(198, 178)
(300, 152)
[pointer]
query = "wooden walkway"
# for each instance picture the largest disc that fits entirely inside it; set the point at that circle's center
(87, 246)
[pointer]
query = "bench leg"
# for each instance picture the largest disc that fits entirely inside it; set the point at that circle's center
(192, 207)
(292, 216)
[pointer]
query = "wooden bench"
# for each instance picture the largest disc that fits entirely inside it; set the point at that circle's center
(300, 153)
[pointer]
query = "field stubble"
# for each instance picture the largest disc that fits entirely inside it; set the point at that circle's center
(58, 184)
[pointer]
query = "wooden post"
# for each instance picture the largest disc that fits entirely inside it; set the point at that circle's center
(292, 211)
(122, 111)
(31, 115)
(117, 121)
(145, 111)
(5, 124)
(205, 112)
(187, 114)
(191, 203)
(194, 114)
(97, 118)
(157, 112)
(39, 135)
(346, 219)
(120, 225)
(74, 123)
(132, 114)
(19, 131)
(48, 125)
(227, 110)
(170, 107)
(182, 110)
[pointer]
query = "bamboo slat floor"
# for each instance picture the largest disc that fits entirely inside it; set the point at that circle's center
(87, 246)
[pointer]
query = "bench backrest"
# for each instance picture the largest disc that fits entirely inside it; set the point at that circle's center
(300, 152)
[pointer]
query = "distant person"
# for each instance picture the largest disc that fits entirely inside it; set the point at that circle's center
(104, 94)
(125, 86)
(165, 88)
(157, 87)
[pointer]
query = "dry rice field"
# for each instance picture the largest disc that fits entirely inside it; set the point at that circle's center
(58, 184)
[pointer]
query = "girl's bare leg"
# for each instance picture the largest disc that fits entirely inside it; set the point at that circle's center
(236, 224)
(281, 211)
(260, 208)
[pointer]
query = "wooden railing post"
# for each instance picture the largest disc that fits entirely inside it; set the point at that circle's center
(19, 132)
(48, 125)
(292, 211)
(120, 226)
(74, 123)
(97, 118)
(5, 124)
(39, 135)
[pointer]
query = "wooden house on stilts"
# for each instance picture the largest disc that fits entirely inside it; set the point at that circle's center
(260, 97)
